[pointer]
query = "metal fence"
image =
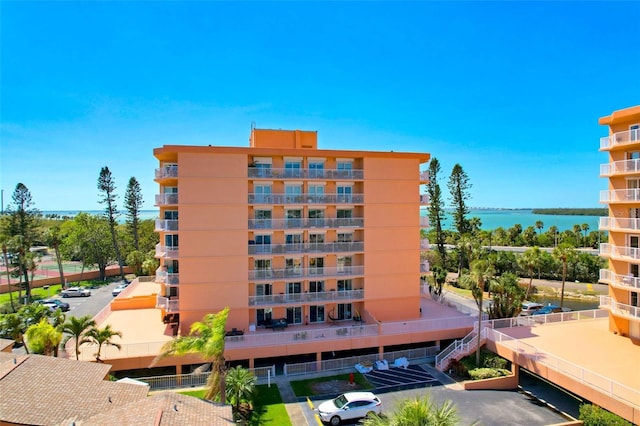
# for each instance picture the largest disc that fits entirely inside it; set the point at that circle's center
(192, 380)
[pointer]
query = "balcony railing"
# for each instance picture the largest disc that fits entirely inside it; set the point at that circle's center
(620, 196)
(620, 309)
(619, 139)
(306, 248)
(166, 251)
(169, 305)
(620, 167)
(269, 173)
(614, 251)
(619, 280)
(619, 223)
(424, 221)
(167, 277)
(306, 199)
(302, 273)
(424, 244)
(424, 200)
(166, 199)
(424, 176)
(166, 225)
(355, 222)
(288, 298)
(167, 172)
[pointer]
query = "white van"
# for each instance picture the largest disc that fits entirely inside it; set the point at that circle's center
(529, 307)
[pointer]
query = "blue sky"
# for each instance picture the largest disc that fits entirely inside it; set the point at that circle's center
(510, 90)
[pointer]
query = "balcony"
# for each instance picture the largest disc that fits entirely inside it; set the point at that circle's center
(621, 253)
(620, 309)
(424, 200)
(170, 252)
(424, 221)
(424, 177)
(424, 244)
(306, 248)
(618, 280)
(166, 199)
(620, 196)
(166, 225)
(356, 222)
(305, 273)
(619, 139)
(168, 278)
(167, 172)
(269, 173)
(297, 298)
(168, 304)
(619, 224)
(306, 199)
(620, 168)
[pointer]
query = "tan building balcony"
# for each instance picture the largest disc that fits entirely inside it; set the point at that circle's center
(312, 297)
(619, 280)
(620, 196)
(620, 309)
(424, 200)
(166, 199)
(306, 248)
(620, 139)
(620, 168)
(424, 177)
(303, 273)
(167, 172)
(328, 174)
(619, 224)
(306, 199)
(166, 225)
(355, 222)
(424, 244)
(170, 252)
(622, 253)
(424, 221)
(169, 305)
(169, 278)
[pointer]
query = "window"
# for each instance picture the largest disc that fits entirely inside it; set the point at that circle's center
(316, 313)
(293, 242)
(294, 288)
(345, 237)
(262, 268)
(344, 264)
(634, 132)
(263, 244)
(171, 215)
(344, 311)
(262, 170)
(264, 290)
(292, 168)
(262, 219)
(344, 194)
(293, 193)
(316, 286)
(634, 298)
(293, 267)
(171, 240)
(263, 316)
(262, 194)
(316, 169)
(316, 218)
(316, 238)
(316, 265)
(171, 266)
(293, 218)
(344, 285)
(294, 315)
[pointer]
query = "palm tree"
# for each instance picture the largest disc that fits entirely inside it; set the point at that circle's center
(77, 329)
(53, 239)
(240, 387)
(530, 260)
(539, 226)
(205, 338)
(585, 228)
(5, 257)
(553, 230)
(102, 336)
(564, 253)
(507, 297)
(43, 338)
(13, 326)
(577, 231)
(418, 412)
(480, 274)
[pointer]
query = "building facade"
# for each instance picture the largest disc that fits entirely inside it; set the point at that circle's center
(284, 232)
(623, 222)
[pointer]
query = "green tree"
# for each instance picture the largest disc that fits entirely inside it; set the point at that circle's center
(240, 387)
(43, 338)
(459, 187)
(77, 329)
(103, 336)
(22, 228)
(418, 412)
(585, 228)
(439, 276)
(87, 237)
(13, 326)
(436, 208)
(539, 226)
(107, 188)
(148, 238)
(53, 239)
(5, 258)
(150, 265)
(507, 297)
(136, 259)
(530, 261)
(133, 204)
(480, 275)
(564, 253)
(205, 338)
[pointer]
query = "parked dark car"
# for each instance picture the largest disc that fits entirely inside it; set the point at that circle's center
(280, 323)
(55, 304)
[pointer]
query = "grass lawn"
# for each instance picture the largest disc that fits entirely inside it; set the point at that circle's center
(268, 408)
(308, 387)
(37, 293)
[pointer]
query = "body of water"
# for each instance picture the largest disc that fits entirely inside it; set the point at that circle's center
(144, 214)
(492, 219)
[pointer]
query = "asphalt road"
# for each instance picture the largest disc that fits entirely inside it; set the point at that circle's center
(81, 306)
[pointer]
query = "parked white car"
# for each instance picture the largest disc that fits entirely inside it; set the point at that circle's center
(76, 292)
(116, 291)
(349, 406)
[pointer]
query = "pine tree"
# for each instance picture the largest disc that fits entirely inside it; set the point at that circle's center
(132, 204)
(107, 187)
(436, 208)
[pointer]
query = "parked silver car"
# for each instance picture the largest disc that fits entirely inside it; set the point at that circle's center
(349, 406)
(75, 292)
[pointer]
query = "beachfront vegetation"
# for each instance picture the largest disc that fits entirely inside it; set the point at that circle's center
(573, 212)
(107, 188)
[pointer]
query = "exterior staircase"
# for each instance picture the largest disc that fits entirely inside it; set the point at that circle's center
(459, 349)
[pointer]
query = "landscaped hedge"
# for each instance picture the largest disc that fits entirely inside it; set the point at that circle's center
(592, 415)
(487, 373)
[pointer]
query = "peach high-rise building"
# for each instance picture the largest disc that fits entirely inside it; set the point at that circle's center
(284, 230)
(623, 222)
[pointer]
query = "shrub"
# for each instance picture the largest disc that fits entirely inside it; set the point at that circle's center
(592, 415)
(487, 373)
